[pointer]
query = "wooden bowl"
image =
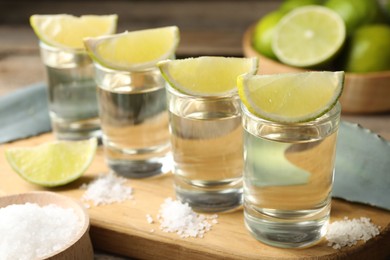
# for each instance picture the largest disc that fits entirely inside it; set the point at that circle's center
(80, 247)
(363, 93)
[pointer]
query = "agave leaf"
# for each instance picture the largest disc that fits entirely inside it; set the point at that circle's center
(270, 167)
(362, 171)
(24, 113)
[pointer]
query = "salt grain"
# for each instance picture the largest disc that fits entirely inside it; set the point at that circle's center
(149, 219)
(29, 231)
(107, 189)
(347, 232)
(179, 218)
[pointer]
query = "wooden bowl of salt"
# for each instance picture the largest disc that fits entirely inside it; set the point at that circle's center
(363, 93)
(44, 225)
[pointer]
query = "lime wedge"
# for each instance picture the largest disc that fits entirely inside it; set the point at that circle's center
(54, 163)
(68, 31)
(290, 97)
(309, 36)
(206, 76)
(134, 50)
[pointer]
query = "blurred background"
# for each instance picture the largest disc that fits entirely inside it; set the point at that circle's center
(213, 27)
(207, 27)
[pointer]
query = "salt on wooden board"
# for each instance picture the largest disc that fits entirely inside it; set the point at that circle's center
(177, 217)
(348, 232)
(107, 189)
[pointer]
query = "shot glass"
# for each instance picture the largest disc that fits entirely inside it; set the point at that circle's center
(206, 140)
(134, 121)
(72, 93)
(288, 178)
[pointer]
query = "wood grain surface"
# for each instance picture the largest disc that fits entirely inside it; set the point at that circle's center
(122, 228)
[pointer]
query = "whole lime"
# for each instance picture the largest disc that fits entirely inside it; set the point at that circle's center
(369, 49)
(356, 13)
(289, 5)
(263, 33)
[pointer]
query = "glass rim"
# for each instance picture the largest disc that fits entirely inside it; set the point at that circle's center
(108, 69)
(228, 95)
(334, 112)
(63, 49)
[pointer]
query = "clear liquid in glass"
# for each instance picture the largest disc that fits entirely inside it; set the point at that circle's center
(134, 120)
(72, 93)
(206, 139)
(288, 178)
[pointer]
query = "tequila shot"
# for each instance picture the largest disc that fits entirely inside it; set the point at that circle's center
(72, 93)
(69, 70)
(132, 99)
(288, 178)
(206, 131)
(206, 139)
(134, 121)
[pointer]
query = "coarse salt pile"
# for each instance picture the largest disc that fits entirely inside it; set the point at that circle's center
(107, 189)
(176, 217)
(29, 231)
(347, 232)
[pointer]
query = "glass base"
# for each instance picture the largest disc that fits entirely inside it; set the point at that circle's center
(216, 201)
(141, 168)
(287, 233)
(76, 130)
(209, 196)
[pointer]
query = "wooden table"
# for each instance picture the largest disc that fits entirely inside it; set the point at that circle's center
(207, 28)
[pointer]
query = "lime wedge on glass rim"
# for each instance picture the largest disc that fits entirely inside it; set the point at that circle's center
(290, 97)
(207, 75)
(309, 36)
(134, 50)
(53, 163)
(68, 31)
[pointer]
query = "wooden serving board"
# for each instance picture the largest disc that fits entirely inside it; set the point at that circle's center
(122, 228)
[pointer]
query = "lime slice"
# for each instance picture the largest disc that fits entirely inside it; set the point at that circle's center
(134, 50)
(206, 76)
(290, 97)
(309, 36)
(54, 163)
(68, 31)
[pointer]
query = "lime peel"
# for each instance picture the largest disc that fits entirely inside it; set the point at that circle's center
(206, 75)
(135, 50)
(53, 163)
(291, 97)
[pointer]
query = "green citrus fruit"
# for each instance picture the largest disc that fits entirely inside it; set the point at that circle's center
(54, 163)
(369, 49)
(290, 97)
(264, 31)
(206, 76)
(309, 36)
(356, 13)
(68, 31)
(134, 50)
